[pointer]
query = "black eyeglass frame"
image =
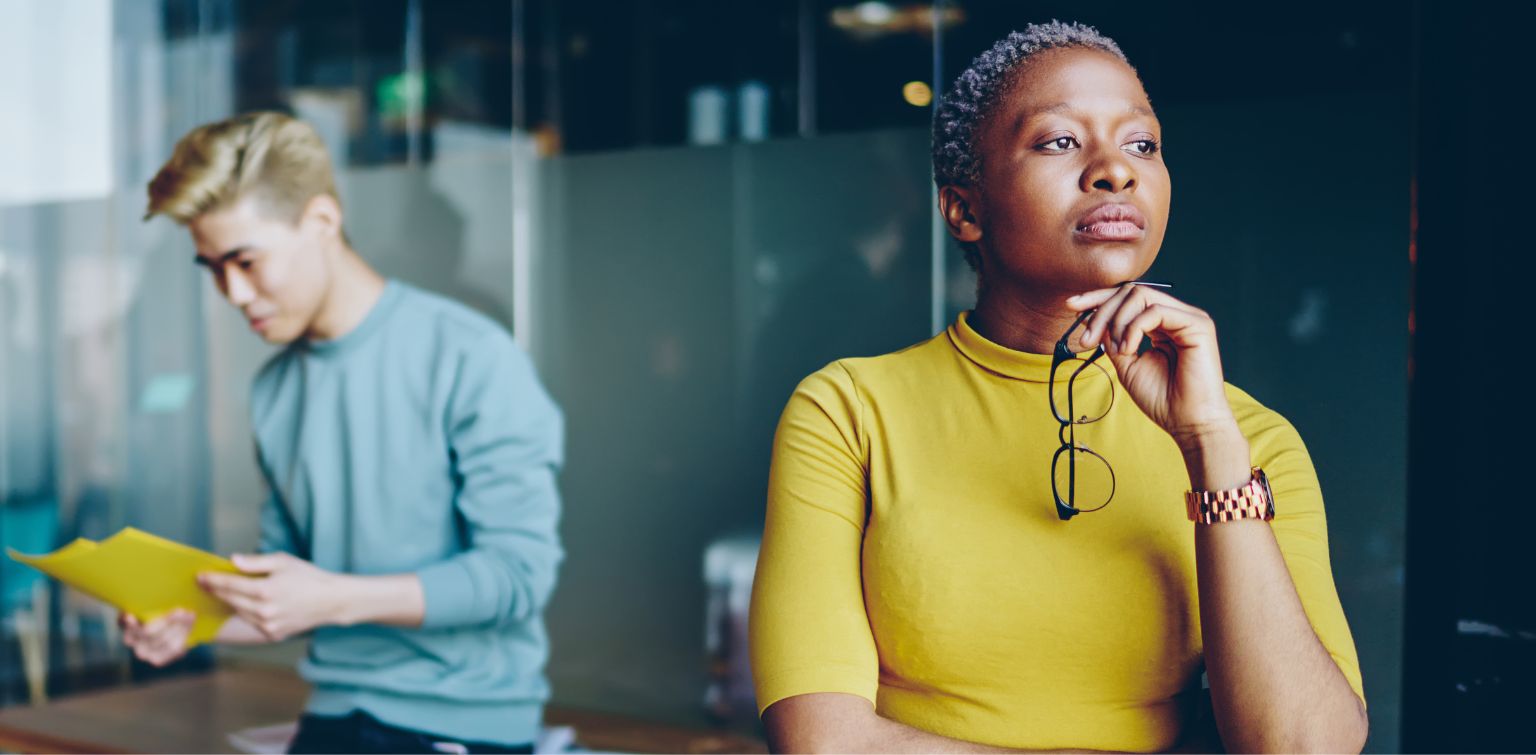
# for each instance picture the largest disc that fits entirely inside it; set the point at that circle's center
(1066, 509)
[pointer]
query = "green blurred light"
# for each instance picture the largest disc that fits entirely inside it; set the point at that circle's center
(399, 94)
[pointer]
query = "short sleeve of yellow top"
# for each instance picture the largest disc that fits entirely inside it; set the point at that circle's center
(912, 554)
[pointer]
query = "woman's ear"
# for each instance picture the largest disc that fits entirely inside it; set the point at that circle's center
(957, 205)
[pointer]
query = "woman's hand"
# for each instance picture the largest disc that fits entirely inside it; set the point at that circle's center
(282, 596)
(158, 642)
(1178, 382)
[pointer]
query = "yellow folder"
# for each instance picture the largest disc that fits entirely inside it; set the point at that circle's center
(142, 575)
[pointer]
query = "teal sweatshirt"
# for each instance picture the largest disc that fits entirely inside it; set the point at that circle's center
(420, 442)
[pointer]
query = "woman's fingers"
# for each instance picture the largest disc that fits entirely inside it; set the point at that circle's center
(1119, 336)
(1158, 317)
(1094, 328)
(1158, 296)
(1116, 308)
(1090, 299)
(1132, 307)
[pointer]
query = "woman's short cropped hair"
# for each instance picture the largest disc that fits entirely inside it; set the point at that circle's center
(966, 105)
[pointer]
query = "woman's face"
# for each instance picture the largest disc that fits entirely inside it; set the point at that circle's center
(1074, 192)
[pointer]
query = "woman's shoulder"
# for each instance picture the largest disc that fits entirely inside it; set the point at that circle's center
(1250, 412)
(1272, 437)
(903, 364)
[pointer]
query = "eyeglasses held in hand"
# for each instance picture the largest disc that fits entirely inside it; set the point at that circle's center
(1086, 478)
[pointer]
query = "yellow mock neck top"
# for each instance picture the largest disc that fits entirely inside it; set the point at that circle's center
(912, 554)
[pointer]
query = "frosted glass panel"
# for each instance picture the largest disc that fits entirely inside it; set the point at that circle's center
(681, 296)
(446, 227)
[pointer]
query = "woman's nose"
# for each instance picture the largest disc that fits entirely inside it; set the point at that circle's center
(1110, 172)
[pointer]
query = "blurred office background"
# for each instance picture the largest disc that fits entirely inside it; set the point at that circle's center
(680, 208)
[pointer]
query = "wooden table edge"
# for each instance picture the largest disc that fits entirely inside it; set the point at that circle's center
(599, 734)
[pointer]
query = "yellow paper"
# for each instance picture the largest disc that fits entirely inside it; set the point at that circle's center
(142, 575)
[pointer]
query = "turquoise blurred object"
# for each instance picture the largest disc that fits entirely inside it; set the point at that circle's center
(30, 525)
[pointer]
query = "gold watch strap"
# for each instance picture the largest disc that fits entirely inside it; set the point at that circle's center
(1254, 500)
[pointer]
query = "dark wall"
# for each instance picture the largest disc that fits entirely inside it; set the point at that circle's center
(1470, 671)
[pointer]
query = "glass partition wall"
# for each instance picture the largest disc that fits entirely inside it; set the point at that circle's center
(681, 209)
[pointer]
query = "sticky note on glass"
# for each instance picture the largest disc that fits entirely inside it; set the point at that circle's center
(142, 575)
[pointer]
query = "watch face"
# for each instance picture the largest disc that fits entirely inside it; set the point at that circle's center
(1269, 493)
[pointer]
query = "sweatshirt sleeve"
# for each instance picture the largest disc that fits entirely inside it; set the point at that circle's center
(278, 533)
(506, 440)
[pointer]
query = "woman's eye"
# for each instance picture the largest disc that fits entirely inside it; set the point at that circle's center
(1059, 144)
(246, 263)
(1145, 146)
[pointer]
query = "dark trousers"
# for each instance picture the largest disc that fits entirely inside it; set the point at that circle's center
(360, 732)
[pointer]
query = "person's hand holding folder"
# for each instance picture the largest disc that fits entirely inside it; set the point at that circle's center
(279, 595)
(172, 597)
(273, 596)
(161, 641)
(154, 584)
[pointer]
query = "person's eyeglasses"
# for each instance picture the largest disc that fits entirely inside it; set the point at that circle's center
(1097, 484)
(1081, 479)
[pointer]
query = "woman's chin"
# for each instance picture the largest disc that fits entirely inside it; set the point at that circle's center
(1110, 266)
(1080, 268)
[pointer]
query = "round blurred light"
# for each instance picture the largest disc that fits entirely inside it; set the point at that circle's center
(917, 93)
(874, 14)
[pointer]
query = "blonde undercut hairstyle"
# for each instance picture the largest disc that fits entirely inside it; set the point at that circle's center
(275, 159)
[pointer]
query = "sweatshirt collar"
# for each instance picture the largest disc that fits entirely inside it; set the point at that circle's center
(375, 318)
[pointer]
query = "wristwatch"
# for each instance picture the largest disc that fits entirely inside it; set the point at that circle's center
(1252, 501)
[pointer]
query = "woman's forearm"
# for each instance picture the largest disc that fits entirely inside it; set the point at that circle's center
(1273, 685)
(843, 723)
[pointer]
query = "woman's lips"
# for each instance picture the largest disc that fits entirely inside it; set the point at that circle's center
(1112, 221)
(259, 324)
(1111, 230)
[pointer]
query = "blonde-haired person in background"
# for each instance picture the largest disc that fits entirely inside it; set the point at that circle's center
(411, 455)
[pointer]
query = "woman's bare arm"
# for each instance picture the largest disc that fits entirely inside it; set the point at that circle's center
(839, 722)
(1274, 688)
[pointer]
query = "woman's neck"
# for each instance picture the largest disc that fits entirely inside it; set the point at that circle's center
(1022, 321)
